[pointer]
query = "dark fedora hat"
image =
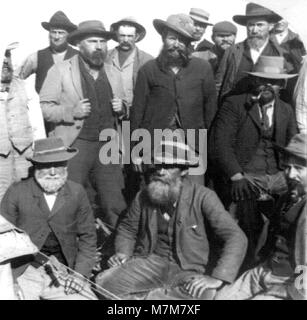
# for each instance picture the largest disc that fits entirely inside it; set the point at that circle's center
(59, 20)
(254, 10)
(51, 149)
(89, 28)
(130, 21)
(180, 23)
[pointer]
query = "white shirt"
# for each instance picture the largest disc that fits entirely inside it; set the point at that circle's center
(256, 53)
(269, 111)
(280, 37)
(50, 199)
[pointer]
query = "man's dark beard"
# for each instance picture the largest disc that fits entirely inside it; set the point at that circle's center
(264, 94)
(59, 48)
(162, 192)
(94, 60)
(295, 189)
(168, 59)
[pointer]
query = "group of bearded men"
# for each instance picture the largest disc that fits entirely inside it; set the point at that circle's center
(185, 224)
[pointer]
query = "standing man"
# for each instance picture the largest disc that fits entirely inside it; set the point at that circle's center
(224, 36)
(243, 134)
(201, 21)
(174, 91)
(40, 62)
(78, 104)
(231, 75)
(58, 218)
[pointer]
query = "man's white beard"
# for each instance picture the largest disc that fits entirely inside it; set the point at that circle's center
(256, 43)
(164, 193)
(51, 184)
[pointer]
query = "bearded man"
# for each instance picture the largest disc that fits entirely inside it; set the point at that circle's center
(175, 90)
(162, 245)
(56, 214)
(59, 26)
(78, 104)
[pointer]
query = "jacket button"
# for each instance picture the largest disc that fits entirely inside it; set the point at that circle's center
(78, 127)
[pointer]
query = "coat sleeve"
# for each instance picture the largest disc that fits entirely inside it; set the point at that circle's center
(128, 228)
(224, 134)
(85, 259)
(28, 67)
(225, 228)
(9, 205)
(52, 108)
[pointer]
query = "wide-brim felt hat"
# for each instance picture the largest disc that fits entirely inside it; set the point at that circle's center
(297, 147)
(130, 21)
(89, 28)
(61, 21)
(271, 67)
(51, 150)
(254, 10)
(180, 23)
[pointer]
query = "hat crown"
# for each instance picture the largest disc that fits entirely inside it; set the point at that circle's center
(253, 9)
(91, 24)
(225, 27)
(298, 146)
(199, 13)
(51, 144)
(181, 21)
(60, 20)
(270, 64)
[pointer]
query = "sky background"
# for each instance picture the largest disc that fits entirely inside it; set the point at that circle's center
(21, 20)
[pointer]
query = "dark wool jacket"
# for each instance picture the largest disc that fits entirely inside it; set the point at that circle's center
(236, 132)
(71, 220)
(198, 209)
(159, 93)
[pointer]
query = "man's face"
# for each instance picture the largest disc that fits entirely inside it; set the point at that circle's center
(199, 30)
(258, 31)
(281, 26)
(174, 44)
(163, 184)
(93, 50)
(127, 36)
(223, 41)
(296, 175)
(51, 176)
(58, 39)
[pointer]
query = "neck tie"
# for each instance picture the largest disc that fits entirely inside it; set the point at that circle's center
(265, 119)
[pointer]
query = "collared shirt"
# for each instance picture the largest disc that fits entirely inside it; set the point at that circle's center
(280, 37)
(256, 53)
(269, 107)
(50, 199)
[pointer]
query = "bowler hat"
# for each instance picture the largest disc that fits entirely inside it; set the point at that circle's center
(297, 147)
(180, 23)
(131, 22)
(200, 15)
(59, 20)
(224, 27)
(271, 67)
(254, 10)
(51, 149)
(89, 28)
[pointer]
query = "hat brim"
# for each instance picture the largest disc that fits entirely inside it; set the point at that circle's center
(289, 152)
(54, 156)
(272, 75)
(68, 27)
(206, 22)
(161, 25)
(139, 29)
(79, 35)
(242, 19)
(177, 162)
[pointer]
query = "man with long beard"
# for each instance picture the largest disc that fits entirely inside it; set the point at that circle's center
(78, 104)
(56, 214)
(58, 50)
(175, 90)
(162, 244)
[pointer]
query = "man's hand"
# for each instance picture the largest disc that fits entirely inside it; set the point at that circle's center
(82, 109)
(242, 190)
(118, 106)
(74, 285)
(197, 285)
(117, 259)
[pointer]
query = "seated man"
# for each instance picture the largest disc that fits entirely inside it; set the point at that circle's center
(161, 244)
(286, 246)
(56, 214)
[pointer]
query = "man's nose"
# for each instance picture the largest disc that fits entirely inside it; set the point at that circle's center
(98, 46)
(52, 171)
(292, 172)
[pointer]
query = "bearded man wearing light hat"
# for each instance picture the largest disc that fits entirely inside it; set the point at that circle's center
(56, 214)
(242, 146)
(283, 273)
(162, 244)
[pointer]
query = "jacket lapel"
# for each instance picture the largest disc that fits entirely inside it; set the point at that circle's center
(75, 75)
(253, 112)
(39, 199)
(60, 201)
(184, 202)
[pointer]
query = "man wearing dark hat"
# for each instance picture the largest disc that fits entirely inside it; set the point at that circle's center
(201, 21)
(56, 214)
(283, 274)
(162, 245)
(231, 75)
(224, 36)
(245, 129)
(175, 90)
(40, 62)
(78, 105)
